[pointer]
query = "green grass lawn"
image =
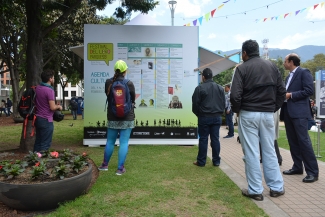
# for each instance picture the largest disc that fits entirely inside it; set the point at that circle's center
(160, 181)
(283, 142)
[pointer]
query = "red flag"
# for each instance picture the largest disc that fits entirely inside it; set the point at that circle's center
(264, 19)
(170, 90)
(212, 12)
(286, 15)
(315, 6)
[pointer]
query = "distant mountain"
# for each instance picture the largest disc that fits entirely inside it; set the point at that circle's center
(306, 52)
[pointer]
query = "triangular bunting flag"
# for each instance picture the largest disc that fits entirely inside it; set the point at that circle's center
(302, 10)
(189, 24)
(315, 6)
(226, 1)
(207, 16)
(272, 18)
(276, 18)
(220, 6)
(322, 4)
(286, 15)
(200, 20)
(264, 19)
(212, 12)
(297, 12)
(194, 22)
(309, 8)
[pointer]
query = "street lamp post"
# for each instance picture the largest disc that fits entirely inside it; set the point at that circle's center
(172, 9)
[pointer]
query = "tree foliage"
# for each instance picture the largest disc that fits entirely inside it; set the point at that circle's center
(279, 63)
(317, 63)
(224, 77)
(52, 27)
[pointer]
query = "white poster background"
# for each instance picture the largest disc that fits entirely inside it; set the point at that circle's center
(183, 61)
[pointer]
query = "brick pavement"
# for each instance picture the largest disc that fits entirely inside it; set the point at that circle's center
(300, 199)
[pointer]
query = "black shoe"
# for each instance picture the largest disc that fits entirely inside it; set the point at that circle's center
(216, 164)
(276, 193)
(292, 172)
(227, 137)
(258, 197)
(199, 165)
(310, 179)
(280, 163)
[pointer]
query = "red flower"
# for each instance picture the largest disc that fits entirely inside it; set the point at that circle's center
(0, 167)
(37, 164)
(84, 154)
(54, 154)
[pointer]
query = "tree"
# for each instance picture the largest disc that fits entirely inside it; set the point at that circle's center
(224, 77)
(279, 63)
(317, 63)
(13, 45)
(38, 29)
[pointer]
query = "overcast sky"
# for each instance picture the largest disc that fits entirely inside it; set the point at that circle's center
(230, 26)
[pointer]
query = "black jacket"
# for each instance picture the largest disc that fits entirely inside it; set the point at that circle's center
(131, 115)
(208, 99)
(257, 86)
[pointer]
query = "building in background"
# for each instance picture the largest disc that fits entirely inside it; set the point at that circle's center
(70, 90)
(4, 83)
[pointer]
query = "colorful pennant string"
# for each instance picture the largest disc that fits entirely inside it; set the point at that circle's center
(283, 16)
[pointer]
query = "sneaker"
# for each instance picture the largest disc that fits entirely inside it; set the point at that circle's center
(276, 193)
(120, 172)
(258, 197)
(227, 137)
(103, 168)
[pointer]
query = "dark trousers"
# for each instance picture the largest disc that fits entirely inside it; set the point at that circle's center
(230, 124)
(209, 126)
(44, 133)
(301, 149)
(74, 114)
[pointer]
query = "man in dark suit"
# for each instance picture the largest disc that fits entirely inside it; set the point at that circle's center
(295, 113)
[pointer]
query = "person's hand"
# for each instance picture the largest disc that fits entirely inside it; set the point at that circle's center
(59, 108)
(288, 96)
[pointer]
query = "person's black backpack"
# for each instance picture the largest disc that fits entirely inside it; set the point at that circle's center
(26, 107)
(74, 105)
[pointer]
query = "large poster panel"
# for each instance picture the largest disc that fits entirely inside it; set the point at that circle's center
(161, 61)
(320, 93)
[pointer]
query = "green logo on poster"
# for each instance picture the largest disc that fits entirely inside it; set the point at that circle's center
(100, 52)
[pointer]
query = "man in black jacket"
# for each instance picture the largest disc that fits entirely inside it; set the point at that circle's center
(257, 91)
(208, 104)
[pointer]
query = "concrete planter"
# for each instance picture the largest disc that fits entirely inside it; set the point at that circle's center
(44, 196)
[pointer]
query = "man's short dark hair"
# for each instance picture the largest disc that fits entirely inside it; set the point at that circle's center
(46, 75)
(251, 47)
(207, 73)
(295, 59)
(227, 85)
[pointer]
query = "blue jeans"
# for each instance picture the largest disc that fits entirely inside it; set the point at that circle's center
(255, 128)
(123, 149)
(8, 111)
(44, 133)
(230, 124)
(209, 126)
(74, 114)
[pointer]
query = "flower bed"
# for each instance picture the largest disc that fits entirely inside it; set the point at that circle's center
(57, 176)
(43, 167)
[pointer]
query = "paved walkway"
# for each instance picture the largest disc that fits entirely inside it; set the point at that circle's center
(300, 199)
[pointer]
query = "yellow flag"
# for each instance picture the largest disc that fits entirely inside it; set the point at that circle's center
(207, 16)
(220, 6)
